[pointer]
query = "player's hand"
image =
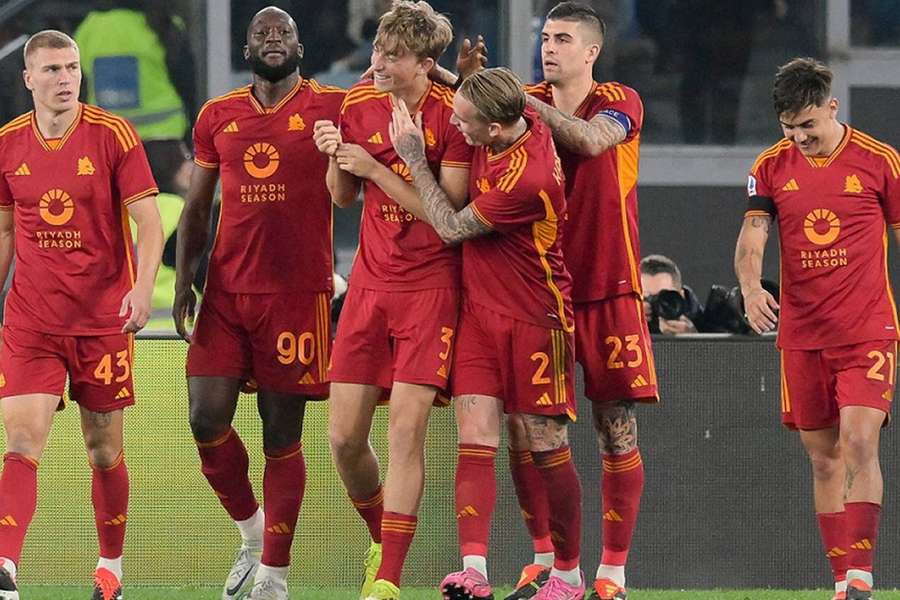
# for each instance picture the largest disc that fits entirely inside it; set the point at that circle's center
(760, 307)
(471, 58)
(406, 135)
(355, 160)
(183, 309)
(136, 305)
(680, 325)
(327, 137)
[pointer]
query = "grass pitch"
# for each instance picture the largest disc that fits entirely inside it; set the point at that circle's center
(209, 593)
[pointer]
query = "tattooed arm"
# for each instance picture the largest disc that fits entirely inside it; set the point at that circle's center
(759, 304)
(588, 138)
(452, 225)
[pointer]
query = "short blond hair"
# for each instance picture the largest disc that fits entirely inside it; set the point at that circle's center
(48, 38)
(414, 27)
(496, 93)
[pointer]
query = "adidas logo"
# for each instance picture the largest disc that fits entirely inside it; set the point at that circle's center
(2, 380)
(835, 552)
(280, 528)
(791, 186)
(118, 520)
(863, 544)
(468, 511)
(612, 515)
(307, 379)
(232, 127)
(123, 393)
(430, 139)
(639, 381)
(376, 139)
(23, 170)
(442, 372)
(8, 521)
(544, 400)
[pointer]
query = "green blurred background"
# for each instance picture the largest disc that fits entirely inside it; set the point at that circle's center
(178, 533)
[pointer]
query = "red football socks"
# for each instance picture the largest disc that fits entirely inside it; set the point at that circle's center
(862, 529)
(621, 487)
(476, 493)
(18, 501)
(564, 498)
(224, 462)
(371, 510)
(284, 480)
(109, 495)
(532, 496)
(397, 531)
(833, 528)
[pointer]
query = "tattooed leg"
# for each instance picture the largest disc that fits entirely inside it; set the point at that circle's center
(546, 432)
(616, 427)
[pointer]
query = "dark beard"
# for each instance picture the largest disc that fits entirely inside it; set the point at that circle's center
(276, 73)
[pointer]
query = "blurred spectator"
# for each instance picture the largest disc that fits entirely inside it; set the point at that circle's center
(670, 306)
(875, 22)
(716, 38)
(138, 63)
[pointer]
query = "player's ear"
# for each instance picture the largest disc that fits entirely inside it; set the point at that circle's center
(246, 52)
(833, 105)
(593, 52)
(300, 50)
(426, 65)
(494, 129)
(27, 79)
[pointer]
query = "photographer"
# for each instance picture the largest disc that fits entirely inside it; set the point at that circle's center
(671, 308)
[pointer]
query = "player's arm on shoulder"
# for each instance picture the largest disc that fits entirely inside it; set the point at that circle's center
(588, 138)
(452, 225)
(145, 214)
(440, 204)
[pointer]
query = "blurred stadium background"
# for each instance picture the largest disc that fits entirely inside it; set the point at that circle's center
(727, 502)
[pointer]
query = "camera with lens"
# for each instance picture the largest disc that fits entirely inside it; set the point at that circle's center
(724, 312)
(667, 304)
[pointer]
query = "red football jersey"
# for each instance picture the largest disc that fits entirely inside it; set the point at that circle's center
(601, 245)
(397, 251)
(518, 269)
(74, 258)
(832, 215)
(274, 231)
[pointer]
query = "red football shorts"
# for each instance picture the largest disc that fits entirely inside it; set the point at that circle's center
(99, 367)
(529, 368)
(281, 341)
(383, 337)
(816, 384)
(612, 345)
